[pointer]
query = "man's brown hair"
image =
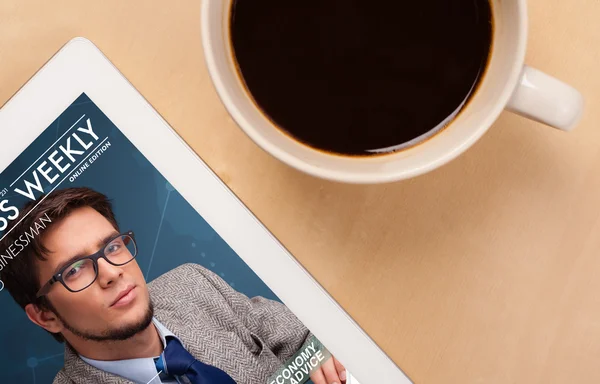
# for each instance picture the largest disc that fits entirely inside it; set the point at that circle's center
(20, 275)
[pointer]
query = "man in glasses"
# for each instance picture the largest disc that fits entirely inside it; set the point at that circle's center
(79, 280)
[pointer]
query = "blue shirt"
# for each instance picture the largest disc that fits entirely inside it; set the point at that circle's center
(141, 371)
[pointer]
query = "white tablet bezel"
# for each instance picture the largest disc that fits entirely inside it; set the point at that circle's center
(81, 67)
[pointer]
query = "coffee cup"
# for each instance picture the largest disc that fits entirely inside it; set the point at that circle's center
(508, 84)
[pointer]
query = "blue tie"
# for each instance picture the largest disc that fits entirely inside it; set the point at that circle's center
(176, 361)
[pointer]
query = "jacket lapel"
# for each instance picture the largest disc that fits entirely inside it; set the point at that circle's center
(80, 372)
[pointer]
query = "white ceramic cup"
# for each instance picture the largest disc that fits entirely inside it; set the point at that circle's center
(507, 84)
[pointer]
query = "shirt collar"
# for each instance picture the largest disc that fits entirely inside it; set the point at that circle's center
(163, 332)
(141, 370)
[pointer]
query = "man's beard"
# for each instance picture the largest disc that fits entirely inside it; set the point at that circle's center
(118, 334)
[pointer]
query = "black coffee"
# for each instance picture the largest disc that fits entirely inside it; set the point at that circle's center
(361, 77)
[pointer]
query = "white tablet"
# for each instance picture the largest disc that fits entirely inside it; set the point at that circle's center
(121, 252)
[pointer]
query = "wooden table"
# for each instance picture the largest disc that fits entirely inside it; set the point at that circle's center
(484, 271)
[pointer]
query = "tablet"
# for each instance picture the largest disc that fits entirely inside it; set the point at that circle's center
(122, 253)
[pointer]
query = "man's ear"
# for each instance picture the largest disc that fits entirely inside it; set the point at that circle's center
(45, 319)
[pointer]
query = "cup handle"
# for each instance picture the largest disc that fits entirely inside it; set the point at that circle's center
(543, 98)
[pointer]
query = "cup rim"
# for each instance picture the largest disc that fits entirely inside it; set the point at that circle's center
(349, 176)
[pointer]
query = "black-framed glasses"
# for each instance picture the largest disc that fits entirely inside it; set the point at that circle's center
(82, 272)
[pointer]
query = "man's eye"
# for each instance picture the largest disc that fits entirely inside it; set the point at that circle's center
(74, 270)
(112, 248)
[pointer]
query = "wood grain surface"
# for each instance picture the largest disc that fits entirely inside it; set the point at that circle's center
(484, 271)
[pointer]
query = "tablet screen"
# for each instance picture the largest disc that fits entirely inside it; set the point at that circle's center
(107, 272)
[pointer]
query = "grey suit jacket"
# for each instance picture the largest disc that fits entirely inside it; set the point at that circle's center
(247, 338)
